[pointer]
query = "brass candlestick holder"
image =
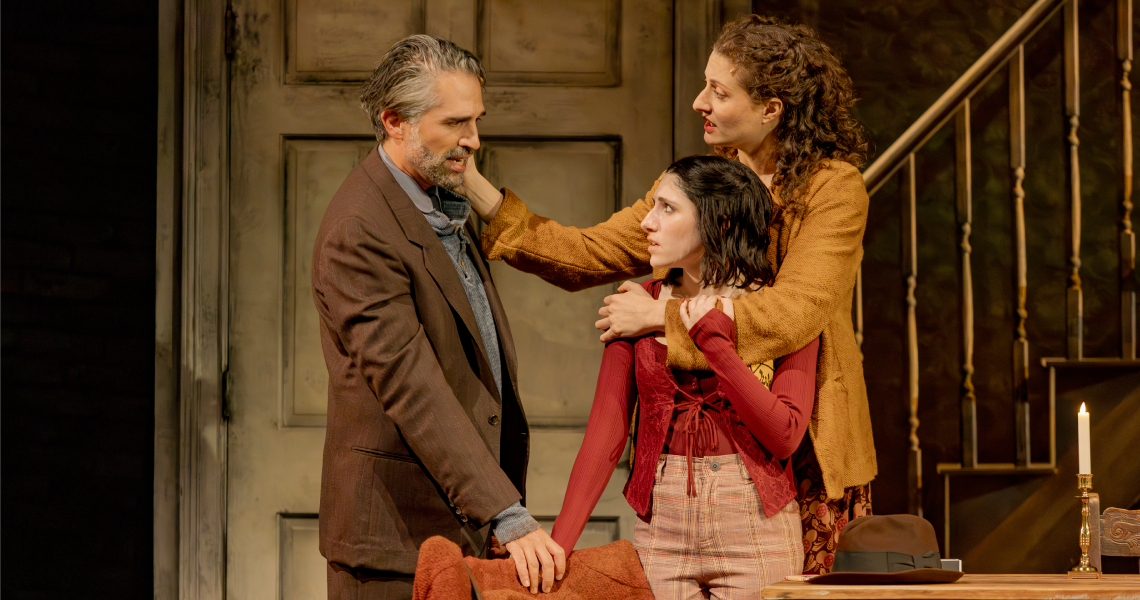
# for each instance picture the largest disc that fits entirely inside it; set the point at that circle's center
(1084, 570)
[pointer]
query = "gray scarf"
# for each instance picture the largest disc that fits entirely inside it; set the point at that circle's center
(448, 220)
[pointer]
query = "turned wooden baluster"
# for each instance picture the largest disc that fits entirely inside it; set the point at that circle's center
(1074, 303)
(1127, 236)
(1021, 341)
(965, 215)
(910, 274)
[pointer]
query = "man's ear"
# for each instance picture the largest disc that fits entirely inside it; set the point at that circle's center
(773, 110)
(392, 123)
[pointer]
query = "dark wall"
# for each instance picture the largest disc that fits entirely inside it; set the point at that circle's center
(78, 232)
(902, 55)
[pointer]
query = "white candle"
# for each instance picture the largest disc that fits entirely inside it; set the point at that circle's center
(1083, 442)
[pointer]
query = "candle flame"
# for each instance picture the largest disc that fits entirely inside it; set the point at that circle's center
(1082, 411)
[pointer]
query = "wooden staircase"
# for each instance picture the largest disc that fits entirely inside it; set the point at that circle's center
(1049, 505)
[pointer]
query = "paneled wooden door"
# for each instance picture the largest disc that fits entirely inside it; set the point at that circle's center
(579, 123)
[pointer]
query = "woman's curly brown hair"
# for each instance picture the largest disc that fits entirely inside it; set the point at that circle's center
(789, 62)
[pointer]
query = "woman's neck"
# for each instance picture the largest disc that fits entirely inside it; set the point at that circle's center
(761, 158)
(689, 285)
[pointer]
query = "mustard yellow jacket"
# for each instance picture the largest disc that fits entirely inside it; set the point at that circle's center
(816, 250)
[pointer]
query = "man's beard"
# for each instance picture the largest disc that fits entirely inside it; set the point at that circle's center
(434, 167)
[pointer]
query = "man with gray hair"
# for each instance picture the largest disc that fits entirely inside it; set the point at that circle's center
(426, 434)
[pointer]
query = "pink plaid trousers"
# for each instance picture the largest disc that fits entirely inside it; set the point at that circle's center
(718, 543)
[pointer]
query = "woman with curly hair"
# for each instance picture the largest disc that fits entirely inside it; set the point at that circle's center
(777, 100)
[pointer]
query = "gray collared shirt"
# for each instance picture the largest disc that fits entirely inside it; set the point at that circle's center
(415, 192)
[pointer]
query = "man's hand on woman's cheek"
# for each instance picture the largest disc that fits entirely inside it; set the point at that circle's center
(631, 312)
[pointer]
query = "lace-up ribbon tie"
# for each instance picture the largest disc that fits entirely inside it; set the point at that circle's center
(696, 422)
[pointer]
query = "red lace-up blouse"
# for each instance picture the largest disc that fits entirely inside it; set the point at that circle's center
(689, 413)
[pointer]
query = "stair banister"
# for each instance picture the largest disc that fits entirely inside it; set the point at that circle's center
(943, 108)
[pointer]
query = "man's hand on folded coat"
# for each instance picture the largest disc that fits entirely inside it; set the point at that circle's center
(630, 313)
(537, 555)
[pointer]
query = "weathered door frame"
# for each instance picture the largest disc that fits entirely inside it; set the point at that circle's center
(191, 307)
(191, 321)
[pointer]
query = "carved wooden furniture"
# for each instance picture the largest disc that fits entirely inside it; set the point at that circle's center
(969, 587)
(1115, 532)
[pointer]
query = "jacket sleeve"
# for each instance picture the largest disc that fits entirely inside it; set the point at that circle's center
(569, 257)
(365, 296)
(816, 278)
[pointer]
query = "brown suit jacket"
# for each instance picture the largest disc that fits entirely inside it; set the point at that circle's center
(414, 415)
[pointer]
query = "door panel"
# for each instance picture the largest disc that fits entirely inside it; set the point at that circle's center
(579, 123)
(523, 42)
(314, 169)
(302, 568)
(545, 323)
(329, 41)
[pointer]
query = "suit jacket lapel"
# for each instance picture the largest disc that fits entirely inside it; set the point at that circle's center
(438, 263)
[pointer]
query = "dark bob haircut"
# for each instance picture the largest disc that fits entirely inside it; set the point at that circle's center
(733, 211)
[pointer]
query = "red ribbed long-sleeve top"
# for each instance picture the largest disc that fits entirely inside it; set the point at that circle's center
(776, 418)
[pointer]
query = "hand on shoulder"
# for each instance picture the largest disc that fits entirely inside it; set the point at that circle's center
(630, 312)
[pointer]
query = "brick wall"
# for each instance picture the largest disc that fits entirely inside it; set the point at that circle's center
(77, 232)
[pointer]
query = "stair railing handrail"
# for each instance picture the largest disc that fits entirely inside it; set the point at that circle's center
(943, 109)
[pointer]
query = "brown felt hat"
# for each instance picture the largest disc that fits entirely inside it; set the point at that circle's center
(887, 549)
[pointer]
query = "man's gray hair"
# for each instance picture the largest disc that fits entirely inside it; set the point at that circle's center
(404, 81)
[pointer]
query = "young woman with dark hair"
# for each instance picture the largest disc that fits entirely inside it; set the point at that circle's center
(717, 511)
(778, 101)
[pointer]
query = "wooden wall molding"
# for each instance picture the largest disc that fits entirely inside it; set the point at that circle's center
(190, 502)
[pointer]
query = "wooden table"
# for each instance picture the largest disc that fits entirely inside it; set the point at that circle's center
(971, 587)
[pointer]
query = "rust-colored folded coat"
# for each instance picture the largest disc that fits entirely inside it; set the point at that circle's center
(610, 571)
